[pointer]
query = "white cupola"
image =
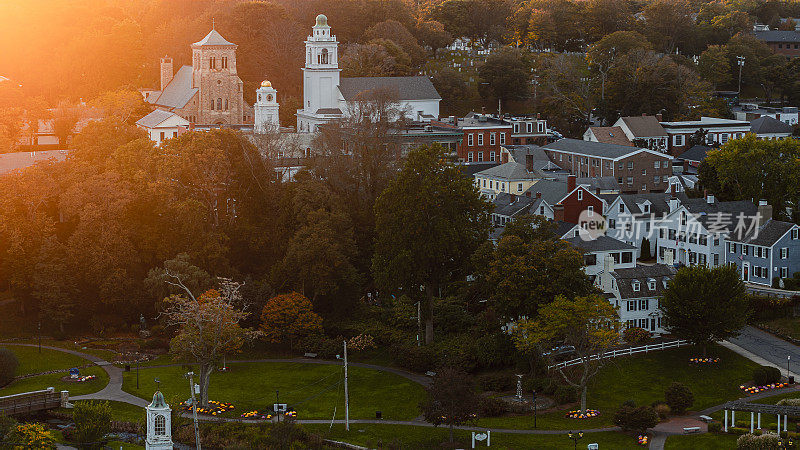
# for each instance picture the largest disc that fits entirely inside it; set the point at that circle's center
(159, 424)
(266, 109)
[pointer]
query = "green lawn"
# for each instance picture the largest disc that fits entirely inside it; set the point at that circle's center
(415, 437)
(643, 379)
(123, 412)
(789, 326)
(31, 361)
(54, 380)
(701, 442)
(306, 386)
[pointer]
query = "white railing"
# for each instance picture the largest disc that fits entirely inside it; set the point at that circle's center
(622, 352)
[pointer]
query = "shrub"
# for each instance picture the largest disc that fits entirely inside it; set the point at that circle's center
(492, 407)
(636, 419)
(789, 402)
(544, 385)
(8, 366)
(34, 435)
(636, 335)
(663, 410)
(678, 397)
(415, 359)
(565, 394)
(6, 424)
(714, 427)
(497, 382)
(765, 375)
(738, 430)
(752, 442)
(92, 422)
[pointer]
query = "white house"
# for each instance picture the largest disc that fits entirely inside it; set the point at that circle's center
(631, 218)
(596, 251)
(162, 125)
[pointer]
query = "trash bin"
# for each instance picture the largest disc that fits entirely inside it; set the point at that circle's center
(378, 415)
(127, 367)
(791, 379)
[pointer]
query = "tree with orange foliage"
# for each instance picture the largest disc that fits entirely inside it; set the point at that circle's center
(208, 329)
(289, 317)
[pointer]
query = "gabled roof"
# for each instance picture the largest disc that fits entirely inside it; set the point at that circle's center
(332, 111)
(511, 205)
(768, 234)
(406, 88)
(642, 274)
(157, 117)
(520, 152)
(659, 203)
(696, 153)
(601, 183)
(552, 191)
(644, 126)
(766, 125)
(601, 243)
(777, 36)
(589, 148)
(563, 228)
(708, 213)
(509, 171)
(611, 135)
(212, 38)
(179, 91)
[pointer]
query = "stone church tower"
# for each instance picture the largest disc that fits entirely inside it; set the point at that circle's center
(220, 96)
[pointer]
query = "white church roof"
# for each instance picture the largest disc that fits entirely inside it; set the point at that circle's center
(406, 88)
(158, 117)
(213, 38)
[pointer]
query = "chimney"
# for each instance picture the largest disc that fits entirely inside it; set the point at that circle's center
(659, 117)
(764, 212)
(571, 182)
(166, 71)
(710, 199)
(608, 264)
(668, 257)
(538, 195)
(673, 203)
(558, 212)
(529, 163)
(644, 114)
(527, 193)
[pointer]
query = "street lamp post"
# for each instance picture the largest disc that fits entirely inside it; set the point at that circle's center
(575, 438)
(740, 63)
(788, 359)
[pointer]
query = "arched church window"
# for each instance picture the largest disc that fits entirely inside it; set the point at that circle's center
(226, 104)
(160, 425)
(269, 97)
(219, 104)
(259, 97)
(212, 104)
(212, 63)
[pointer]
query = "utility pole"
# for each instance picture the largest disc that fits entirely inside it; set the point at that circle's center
(40, 339)
(346, 396)
(419, 323)
(194, 410)
(740, 62)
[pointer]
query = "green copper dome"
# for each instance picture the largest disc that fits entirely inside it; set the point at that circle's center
(322, 20)
(158, 400)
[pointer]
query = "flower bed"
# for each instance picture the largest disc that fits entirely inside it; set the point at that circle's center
(256, 415)
(583, 415)
(757, 389)
(85, 378)
(643, 440)
(703, 360)
(214, 408)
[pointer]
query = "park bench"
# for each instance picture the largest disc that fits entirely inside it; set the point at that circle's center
(310, 355)
(690, 430)
(706, 419)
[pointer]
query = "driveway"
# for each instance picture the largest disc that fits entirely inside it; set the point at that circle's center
(769, 347)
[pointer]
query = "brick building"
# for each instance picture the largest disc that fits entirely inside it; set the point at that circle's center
(786, 43)
(637, 170)
(717, 131)
(483, 136)
(578, 199)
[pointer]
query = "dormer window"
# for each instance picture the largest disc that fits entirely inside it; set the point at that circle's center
(664, 282)
(635, 286)
(651, 284)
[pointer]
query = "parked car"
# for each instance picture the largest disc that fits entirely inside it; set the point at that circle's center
(559, 352)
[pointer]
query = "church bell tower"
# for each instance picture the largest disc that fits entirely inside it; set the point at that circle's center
(320, 74)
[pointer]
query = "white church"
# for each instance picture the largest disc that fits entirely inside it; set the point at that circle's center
(327, 96)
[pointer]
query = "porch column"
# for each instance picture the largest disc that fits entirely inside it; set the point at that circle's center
(725, 427)
(733, 418)
(785, 419)
(779, 424)
(751, 421)
(759, 421)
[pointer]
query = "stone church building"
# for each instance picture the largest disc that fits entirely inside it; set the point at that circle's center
(208, 92)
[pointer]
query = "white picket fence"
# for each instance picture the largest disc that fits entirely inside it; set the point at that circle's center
(622, 352)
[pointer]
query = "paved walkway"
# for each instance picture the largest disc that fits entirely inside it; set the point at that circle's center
(767, 349)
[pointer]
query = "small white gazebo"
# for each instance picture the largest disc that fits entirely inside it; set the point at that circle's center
(159, 424)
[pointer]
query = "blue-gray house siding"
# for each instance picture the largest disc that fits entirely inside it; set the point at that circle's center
(778, 257)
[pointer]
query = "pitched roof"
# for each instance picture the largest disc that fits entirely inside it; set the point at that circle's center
(519, 152)
(766, 124)
(589, 148)
(644, 126)
(511, 205)
(599, 244)
(406, 88)
(642, 274)
(563, 228)
(707, 213)
(777, 36)
(659, 203)
(509, 171)
(610, 135)
(157, 117)
(213, 38)
(601, 183)
(329, 111)
(179, 91)
(696, 153)
(552, 190)
(768, 234)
